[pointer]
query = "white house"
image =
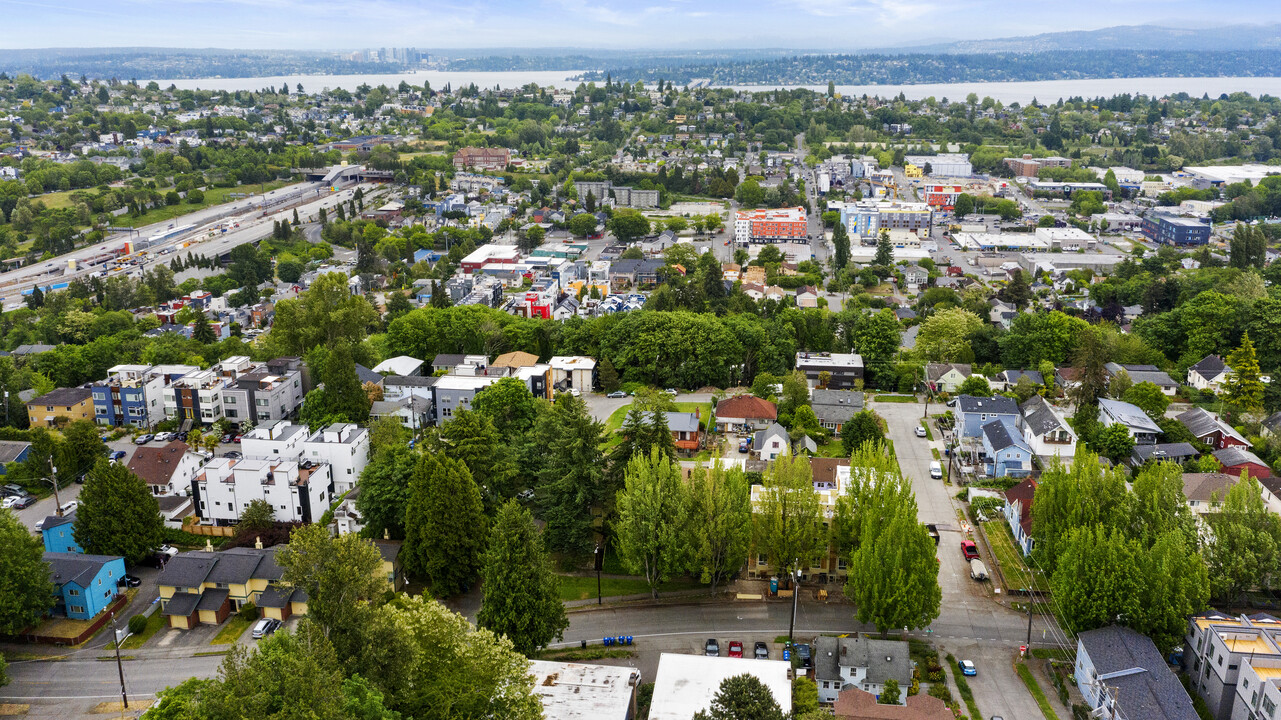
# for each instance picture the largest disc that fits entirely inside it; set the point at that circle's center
(1122, 676)
(573, 372)
(1136, 422)
(863, 663)
(400, 365)
(1046, 430)
(224, 489)
(1209, 373)
(686, 684)
(345, 447)
(168, 469)
(771, 442)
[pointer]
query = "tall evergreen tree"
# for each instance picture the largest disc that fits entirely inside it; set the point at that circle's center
(25, 591)
(884, 251)
(1244, 385)
(472, 438)
(445, 526)
(840, 246)
(571, 479)
(118, 515)
(202, 332)
(521, 595)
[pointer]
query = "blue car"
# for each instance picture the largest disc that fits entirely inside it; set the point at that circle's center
(116, 454)
(967, 668)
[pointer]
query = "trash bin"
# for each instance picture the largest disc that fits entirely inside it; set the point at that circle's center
(629, 639)
(607, 641)
(773, 585)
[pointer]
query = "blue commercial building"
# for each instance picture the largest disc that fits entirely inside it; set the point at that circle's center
(84, 585)
(58, 535)
(1174, 230)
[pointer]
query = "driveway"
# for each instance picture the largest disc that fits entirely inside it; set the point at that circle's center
(601, 407)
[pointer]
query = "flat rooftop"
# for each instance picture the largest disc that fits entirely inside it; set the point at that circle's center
(574, 691)
(686, 684)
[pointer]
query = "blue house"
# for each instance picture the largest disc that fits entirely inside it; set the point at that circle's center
(84, 584)
(972, 413)
(1005, 452)
(430, 256)
(57, 532)
(12, 451)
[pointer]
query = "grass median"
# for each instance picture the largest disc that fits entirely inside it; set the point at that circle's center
(232, 630)
(1025, 674)
(574, 587)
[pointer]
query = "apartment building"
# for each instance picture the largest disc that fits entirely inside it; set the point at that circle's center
(135, 394)
(265, 392)
(494, 159)
(866, 218)
(771, 225)
(844, 370)
(195, 398)
(70, 403)
(455, 392)
(342, 446)
(1215, 649)
(297, 491)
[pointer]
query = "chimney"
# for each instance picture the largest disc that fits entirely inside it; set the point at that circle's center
(258, 542)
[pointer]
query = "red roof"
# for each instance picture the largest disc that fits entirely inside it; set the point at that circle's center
(1023, 493)
(748, 407)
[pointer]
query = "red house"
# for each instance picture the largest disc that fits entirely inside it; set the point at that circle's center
(1212, 431)
(1236, 460)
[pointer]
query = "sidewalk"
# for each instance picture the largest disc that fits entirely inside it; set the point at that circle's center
(728, 592)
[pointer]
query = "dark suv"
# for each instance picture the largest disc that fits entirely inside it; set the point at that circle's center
(712, 648)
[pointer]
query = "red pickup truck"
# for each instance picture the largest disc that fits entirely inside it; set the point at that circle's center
(969, 549)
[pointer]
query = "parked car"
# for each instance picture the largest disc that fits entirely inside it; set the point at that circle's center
(920, 431)
(265, 627)
(236, 439)
(12, 489)
(525, 494)
(712, 648)
(744, 445)
(226, 438)
(936, 470)
(164, 437)
(143, 439)
(969, 549)
(575, 392)
(233, 454)
(25, 501)
(130, 581)
(617, 394)
(735, 649)
(803, 654)
(978, 571)
(9, 502)
(69, 507)
(115, 455)
(967, 668)
(762, 651)
(671, 391)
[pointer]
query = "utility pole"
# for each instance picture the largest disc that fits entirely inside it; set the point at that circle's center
(796, 584)
(54, 480)
(600, 562)
(1029, 618)
(119, 666)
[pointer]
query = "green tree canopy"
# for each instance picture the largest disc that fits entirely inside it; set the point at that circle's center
(522, 598)
(26, 593)
(445, 525)
(653, 509)
(118, 515)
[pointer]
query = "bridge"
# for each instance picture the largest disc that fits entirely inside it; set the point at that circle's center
(344, 173)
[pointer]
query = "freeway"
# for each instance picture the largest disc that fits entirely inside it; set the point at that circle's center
(249, 220)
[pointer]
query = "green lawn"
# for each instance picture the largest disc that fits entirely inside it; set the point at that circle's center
(232, 630)
(56, 200)
(154, 623)
(616, 418)
(213, 196)
(583, 588)
(895, 398)
(1017, 573)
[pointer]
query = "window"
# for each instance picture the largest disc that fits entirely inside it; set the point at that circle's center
(77, 608)
(73, 592)
(229, 399)
(1269, 707)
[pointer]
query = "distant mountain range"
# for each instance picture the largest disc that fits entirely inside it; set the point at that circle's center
(1249, 50)
(1121, 37)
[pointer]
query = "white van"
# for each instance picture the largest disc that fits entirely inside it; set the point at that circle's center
(978, 570)
(936, 470)
(69, 507)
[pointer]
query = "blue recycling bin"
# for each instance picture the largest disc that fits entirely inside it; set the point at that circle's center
(620, 639)
(773, 586)
(629, 639)
(787, 654)
(608, 640)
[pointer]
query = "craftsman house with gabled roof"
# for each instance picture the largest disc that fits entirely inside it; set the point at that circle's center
(1045, 429)
(1207, 428)
(168, 469)
(1209, 373)
(1018, 513)
(946, 377)
(745, 412)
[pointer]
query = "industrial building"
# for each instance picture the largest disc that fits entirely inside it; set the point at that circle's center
(1174, 230)
(945, 165)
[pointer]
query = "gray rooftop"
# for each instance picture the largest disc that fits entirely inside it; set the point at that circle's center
(1233, 456)
(1177, 452)
(1001, 434)
(883, 659)
(1142, 683)
(75, 567)
(1128, 415)
(998, 405)
(1040, 416)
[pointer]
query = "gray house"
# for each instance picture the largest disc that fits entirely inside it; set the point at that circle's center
(863, 663)
(1122, 676)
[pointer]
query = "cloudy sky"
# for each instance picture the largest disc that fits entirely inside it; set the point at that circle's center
(684, 24)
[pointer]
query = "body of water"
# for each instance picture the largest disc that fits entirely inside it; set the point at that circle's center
(1045, 91)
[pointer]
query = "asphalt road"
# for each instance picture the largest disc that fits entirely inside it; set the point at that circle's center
(970, 625)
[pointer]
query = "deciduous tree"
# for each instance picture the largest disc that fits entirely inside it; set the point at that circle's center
(652, 515)
(788, 519)
(742, 697)
(720, 521)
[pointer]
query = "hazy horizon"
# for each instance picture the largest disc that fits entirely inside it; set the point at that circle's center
(684, 25)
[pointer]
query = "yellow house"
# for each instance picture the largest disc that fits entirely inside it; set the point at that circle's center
(69, 403)
(204, 587)
(913, 171)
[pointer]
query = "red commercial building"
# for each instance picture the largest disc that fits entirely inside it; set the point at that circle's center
(942, 197)
(771, 225)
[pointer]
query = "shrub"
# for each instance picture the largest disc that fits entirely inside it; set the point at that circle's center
(137, 624)
(248, 611)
